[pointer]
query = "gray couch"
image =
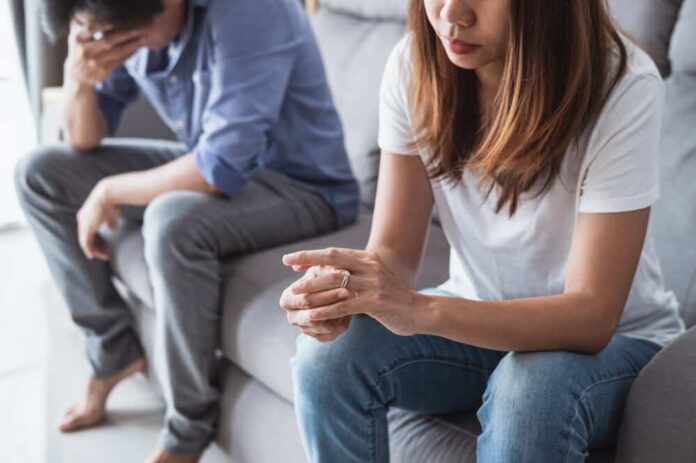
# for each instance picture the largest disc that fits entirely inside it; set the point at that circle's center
(258, 423)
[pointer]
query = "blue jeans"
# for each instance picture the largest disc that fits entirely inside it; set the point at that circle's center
(533, 406)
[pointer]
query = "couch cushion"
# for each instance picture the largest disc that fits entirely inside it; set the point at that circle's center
(355, 52)
(674, 217)
(683, 47)
(251, 418)
(255, 334)
(651, 23)
(370, 9)
(445, 439)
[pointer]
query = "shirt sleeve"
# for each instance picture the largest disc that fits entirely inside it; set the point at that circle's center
(623, 174)
(249, 82)
(115, 94)
(395, 133)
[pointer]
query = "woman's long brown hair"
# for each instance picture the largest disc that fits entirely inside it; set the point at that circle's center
(557, 76)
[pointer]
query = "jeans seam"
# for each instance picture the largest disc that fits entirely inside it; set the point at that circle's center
(582, 397)
(397, 365)
(404, 363)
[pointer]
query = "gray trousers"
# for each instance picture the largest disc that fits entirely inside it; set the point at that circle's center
(186, 234)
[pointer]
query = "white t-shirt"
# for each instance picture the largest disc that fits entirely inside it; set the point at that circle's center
(613, 167)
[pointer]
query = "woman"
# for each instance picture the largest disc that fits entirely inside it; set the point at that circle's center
(533, 127)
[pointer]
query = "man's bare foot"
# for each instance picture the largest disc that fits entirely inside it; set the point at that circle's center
(91, 410)
(162, 456)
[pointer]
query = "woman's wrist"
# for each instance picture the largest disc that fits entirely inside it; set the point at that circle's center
(427, 314)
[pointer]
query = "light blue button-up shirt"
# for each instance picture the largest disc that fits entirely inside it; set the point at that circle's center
(244, 88)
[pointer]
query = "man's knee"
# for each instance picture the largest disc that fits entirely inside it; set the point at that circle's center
(529, 391)
(532, 379)
(168, 228)
(38, 170)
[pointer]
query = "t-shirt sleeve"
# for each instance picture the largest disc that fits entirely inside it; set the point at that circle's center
(622, 174)
(395, 133)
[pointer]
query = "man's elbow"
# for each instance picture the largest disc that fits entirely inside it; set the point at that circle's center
(82, 144)
(211, 189)
(83, 147)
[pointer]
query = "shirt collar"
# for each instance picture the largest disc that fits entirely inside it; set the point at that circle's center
(177, 47)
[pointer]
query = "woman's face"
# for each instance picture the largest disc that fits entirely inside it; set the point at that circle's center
(473, 32)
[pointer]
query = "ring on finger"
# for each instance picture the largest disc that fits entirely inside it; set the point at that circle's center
(346, 277)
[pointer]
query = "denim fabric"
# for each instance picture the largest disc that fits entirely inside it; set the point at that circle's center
(533, 406)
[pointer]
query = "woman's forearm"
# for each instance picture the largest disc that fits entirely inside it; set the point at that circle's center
(574, 322)
(140, 188)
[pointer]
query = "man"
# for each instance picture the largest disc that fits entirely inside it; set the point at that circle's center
(241, 84)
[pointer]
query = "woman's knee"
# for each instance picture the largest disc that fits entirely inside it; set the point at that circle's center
(346, 365)
(528, 388)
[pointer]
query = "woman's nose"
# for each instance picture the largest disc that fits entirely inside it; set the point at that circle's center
(457, 12)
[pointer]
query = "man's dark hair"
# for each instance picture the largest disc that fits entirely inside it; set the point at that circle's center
(121, 13)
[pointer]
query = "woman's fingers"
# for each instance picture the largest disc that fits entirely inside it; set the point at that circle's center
(317, 330)
(324, 337)
(327, 331)
(323, 329)
(292, 301)
(338, 310)
(326, 282)
(301, 268)
(309, 317)
(298, 317)
(335, 257)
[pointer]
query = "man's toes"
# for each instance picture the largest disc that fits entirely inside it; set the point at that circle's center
(162, 456)
(75, 420)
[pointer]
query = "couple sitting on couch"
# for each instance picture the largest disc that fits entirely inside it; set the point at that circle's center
(532, 126)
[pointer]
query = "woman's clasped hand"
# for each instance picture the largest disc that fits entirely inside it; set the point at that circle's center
(318, 305)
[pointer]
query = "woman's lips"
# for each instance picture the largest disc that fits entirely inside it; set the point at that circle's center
(461, 48)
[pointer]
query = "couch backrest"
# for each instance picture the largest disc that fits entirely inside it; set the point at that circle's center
(650, 23)
(356, 37)
(675, 214)
(373, 10)
(667, 30)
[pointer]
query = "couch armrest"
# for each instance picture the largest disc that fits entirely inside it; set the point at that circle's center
(49, 124)
(139, 121)
(659, 422)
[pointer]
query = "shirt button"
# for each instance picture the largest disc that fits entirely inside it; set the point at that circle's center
(179, 124)
(174, 79)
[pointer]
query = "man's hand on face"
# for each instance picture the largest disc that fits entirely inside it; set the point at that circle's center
(90, 61)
